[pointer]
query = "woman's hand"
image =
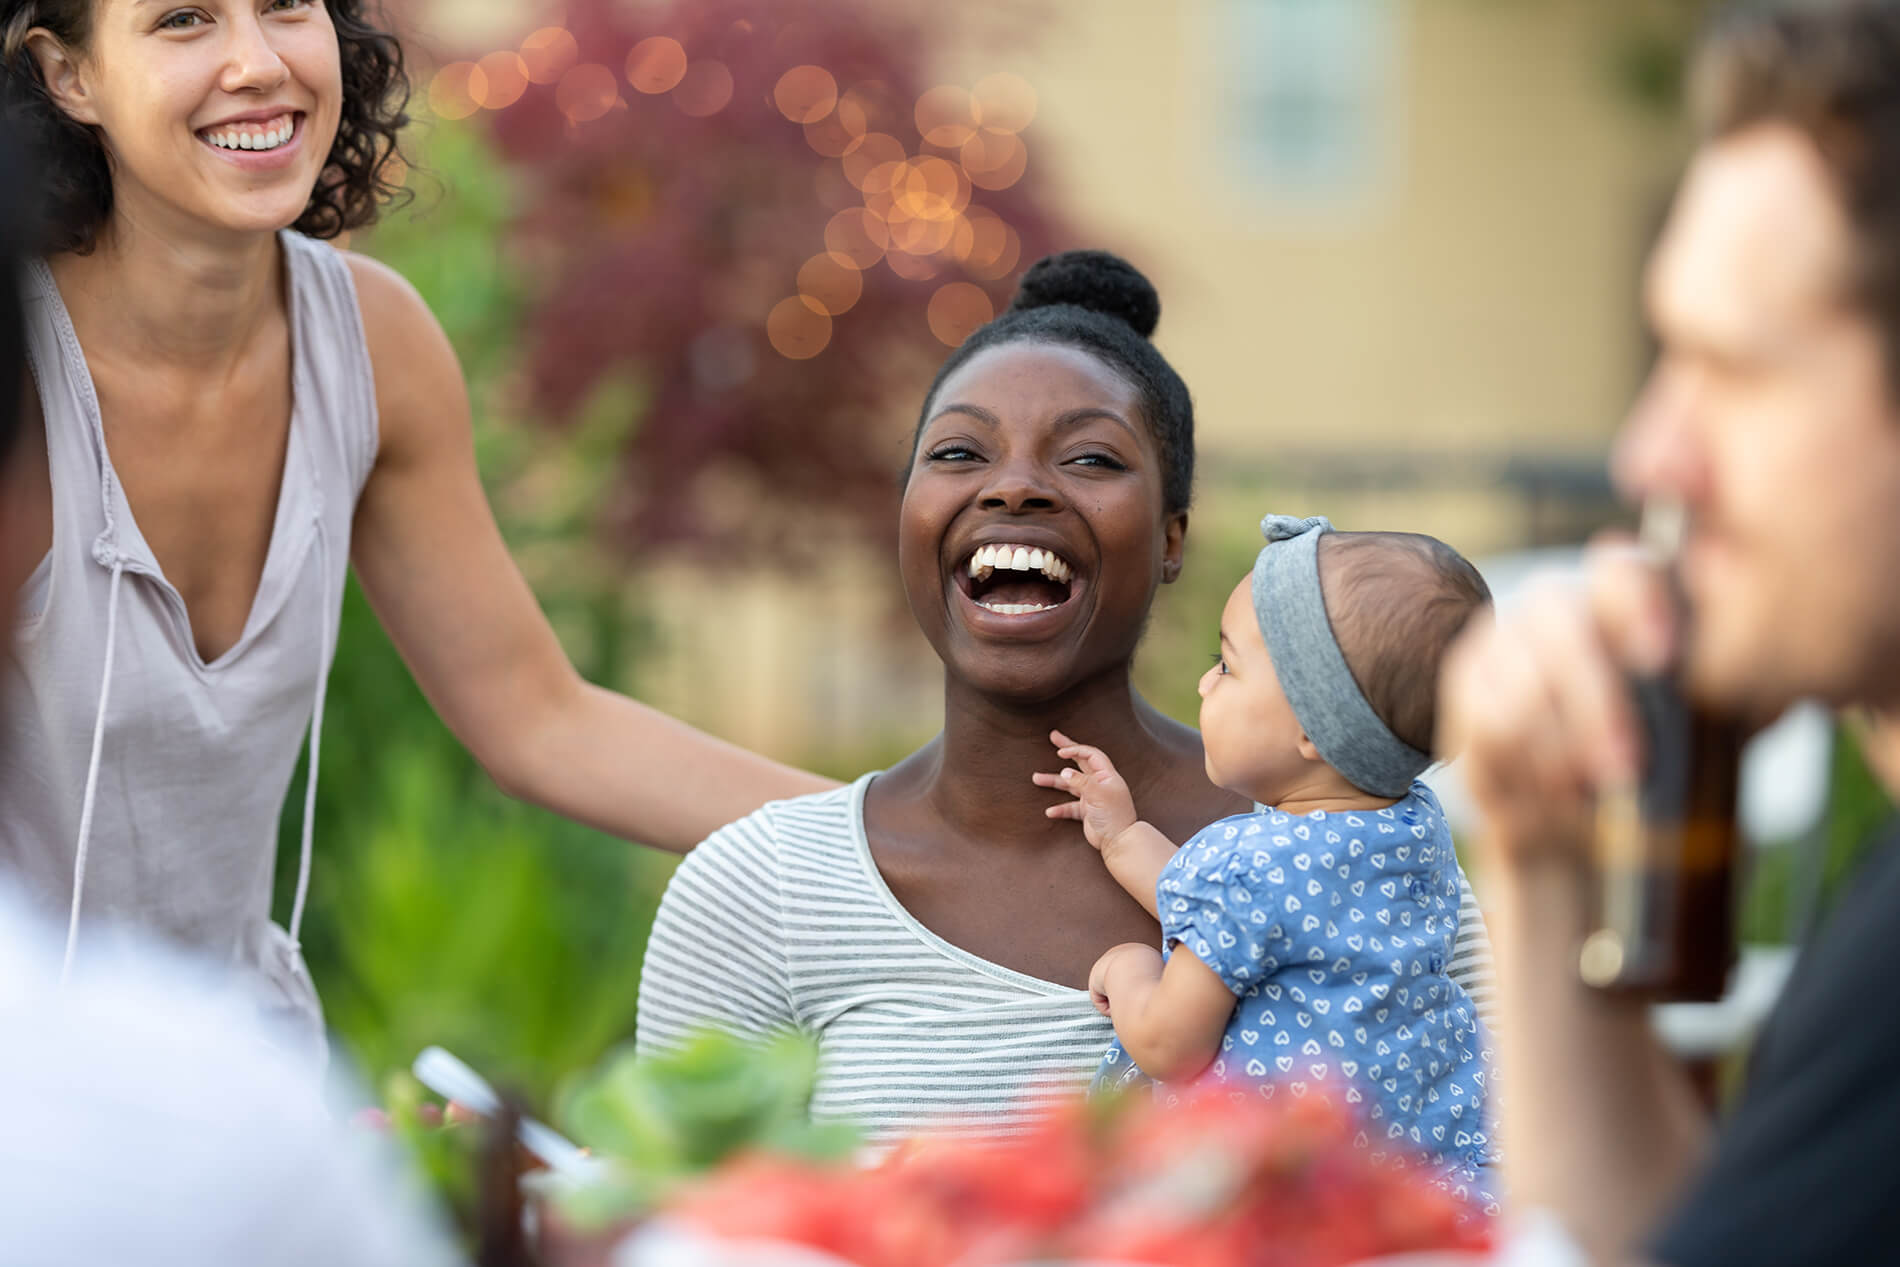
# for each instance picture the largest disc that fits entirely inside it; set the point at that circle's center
(1103, 804)
(1114, 969)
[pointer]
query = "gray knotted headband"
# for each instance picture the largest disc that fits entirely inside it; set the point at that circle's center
(1311, 668)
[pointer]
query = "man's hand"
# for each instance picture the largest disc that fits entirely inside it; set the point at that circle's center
(1103, 804)
(1601, 1126)
(1538, 705)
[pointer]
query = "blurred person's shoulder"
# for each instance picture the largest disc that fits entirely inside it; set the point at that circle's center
(152, 1122)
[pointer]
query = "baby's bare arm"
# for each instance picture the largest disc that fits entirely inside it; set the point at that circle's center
(1135, 856)
(1169, 1018)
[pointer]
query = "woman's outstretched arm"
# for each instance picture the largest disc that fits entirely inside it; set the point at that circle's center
(437, 572)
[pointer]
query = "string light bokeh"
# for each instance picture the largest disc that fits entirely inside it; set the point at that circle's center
(912, 208)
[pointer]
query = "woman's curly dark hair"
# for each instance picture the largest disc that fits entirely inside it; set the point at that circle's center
(74, 176)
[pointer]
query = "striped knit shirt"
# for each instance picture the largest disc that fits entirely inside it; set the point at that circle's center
(782, 921)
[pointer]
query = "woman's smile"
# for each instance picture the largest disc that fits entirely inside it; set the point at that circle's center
(1016, 584)
(259, 140)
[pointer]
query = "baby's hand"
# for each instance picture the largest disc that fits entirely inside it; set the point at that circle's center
(1102, 801)
(1136, 952)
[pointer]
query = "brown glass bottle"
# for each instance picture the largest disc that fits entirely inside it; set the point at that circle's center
(1667, 846)
(1666, 853)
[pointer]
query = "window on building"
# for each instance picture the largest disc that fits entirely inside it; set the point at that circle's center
(1306, 97)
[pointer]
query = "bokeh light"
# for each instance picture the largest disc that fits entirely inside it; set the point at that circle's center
(946, 116)
(456, 91)
(839, 132)
(656, 64)
(507, 79)
(876, 150)
(829, 284)
(858, 236)
(796, 332)
(1004, 102)
(879, 195)
(957, 309)
(994, 160)
(586, 92)
(962, 238)
(994, 250)
(805, 94)
(920, 236)
(705, 89)
(549, 53)
(930, 188)
(912, 268)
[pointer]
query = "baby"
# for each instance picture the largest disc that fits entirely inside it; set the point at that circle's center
(1309, 940)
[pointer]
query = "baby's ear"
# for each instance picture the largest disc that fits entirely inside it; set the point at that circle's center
(1308, 752)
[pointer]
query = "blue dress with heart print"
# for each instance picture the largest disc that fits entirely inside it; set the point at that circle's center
(1333, 929)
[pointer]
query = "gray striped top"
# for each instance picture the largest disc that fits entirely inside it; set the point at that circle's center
(781, 920)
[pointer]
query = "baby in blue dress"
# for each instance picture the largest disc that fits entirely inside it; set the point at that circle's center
(1306, 944)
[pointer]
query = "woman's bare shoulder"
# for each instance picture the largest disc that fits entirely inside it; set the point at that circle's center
(417, 375)
(395, 316)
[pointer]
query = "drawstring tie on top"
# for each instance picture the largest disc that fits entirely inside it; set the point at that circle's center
(107, 556)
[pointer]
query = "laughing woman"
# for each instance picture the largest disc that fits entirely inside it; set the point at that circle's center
(929, 924)
(226, 415)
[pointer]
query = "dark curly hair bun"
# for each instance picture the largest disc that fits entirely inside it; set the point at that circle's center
(1095, 280)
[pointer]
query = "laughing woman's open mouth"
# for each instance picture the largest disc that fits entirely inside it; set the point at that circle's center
(1012, 579)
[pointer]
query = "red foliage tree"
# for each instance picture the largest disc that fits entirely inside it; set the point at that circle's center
(754, 208)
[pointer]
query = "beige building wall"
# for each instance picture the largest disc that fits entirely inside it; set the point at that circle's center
(1479, 296)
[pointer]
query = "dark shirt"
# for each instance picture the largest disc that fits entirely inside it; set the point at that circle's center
(1806, 1169)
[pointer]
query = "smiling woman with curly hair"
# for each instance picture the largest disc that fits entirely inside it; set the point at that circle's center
(75, 176)
(226, 414)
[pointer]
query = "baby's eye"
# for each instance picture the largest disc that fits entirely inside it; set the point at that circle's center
(1220, 664)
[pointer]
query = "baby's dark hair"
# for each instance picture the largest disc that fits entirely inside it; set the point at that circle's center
(1396, 600)
(1101, 304)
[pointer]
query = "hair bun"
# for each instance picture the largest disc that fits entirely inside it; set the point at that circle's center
(1095, 280)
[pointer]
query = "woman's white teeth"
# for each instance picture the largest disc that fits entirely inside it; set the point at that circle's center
(245, 138)
(1015, 558)
(1017, 609)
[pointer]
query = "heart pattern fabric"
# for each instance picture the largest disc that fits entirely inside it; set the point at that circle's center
(1378, 1015)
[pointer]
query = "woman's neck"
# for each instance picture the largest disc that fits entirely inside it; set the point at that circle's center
(170, 301)
(993, 746)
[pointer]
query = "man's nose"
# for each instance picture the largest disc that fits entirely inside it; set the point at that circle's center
(1660, 450)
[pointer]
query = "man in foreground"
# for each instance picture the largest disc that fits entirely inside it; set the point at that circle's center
(1773, 417)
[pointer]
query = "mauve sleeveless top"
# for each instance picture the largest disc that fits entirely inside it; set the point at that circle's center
(138, 784)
